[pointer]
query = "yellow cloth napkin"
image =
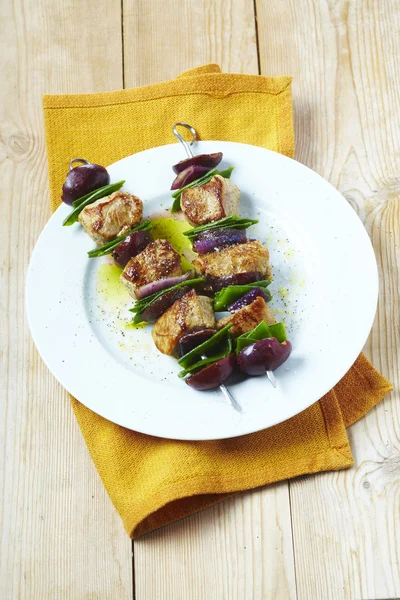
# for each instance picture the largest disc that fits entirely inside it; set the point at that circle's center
(154, 481)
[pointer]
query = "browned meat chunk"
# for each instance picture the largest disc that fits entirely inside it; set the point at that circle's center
(108, 217)
(185, 315)
(212, 201)
(248, 317)
(157, 261)
(242, 258)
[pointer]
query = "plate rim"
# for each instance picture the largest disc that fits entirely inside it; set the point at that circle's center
(373, 266)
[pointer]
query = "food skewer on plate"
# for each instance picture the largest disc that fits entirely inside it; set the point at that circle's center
(225, 255)
(219, 199)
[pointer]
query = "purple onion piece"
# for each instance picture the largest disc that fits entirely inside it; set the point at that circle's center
(131, 246)
(188, 175)
(248, 299)
(191, 340)
(214, 239)
(161, 304)
(217, 283)
(161, 284)
(201, 160)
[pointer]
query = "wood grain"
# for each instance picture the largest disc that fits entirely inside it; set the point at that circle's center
(163, 39)
(344, 57)
(242, 548)
(60, 536)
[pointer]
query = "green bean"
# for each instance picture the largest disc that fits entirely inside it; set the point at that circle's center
(82, 199)
(227, 222)
(207, 177)
(201, 181)
(109, 246)
(144, 303)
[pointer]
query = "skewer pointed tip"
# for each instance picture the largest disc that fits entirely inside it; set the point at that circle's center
(271, 378)
(229, 397)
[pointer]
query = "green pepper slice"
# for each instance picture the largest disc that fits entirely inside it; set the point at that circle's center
(262, 331)
(242, 342)
(231, 293)
(224, 349)
(278, 331)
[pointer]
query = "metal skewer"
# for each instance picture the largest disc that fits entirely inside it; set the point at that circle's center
(188, 150)
(229, 397)
(271, 378)
(79, 160)
(189, 153)
(227, 394)
(184, 143)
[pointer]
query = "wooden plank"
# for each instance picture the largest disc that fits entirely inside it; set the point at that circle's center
(60, 536)
(241, 548)
(162, 40)
(344, 57)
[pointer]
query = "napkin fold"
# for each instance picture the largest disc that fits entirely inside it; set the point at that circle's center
(154, 481)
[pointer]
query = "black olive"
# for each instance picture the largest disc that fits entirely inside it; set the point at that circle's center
(82, 180)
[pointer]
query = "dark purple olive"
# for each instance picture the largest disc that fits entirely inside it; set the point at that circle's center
(201, 160)
(212, 376)
(82, 180)
(248, 299)
(189, 341)
(262, 356)
(188, 175)
(213, 239)
(217, 283)
(160, 305)
(131, 246)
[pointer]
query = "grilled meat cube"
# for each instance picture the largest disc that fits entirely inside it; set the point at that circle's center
(248, 317)
(157, 261)
(242, 258)
(187, 314)
(108, 217)
(212, 201)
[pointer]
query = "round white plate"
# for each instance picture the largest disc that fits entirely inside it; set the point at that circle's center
(325, 290)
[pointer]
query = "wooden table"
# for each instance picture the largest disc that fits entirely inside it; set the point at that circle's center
(333, 536)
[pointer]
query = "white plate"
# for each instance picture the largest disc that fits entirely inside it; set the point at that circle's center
(325, 289)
